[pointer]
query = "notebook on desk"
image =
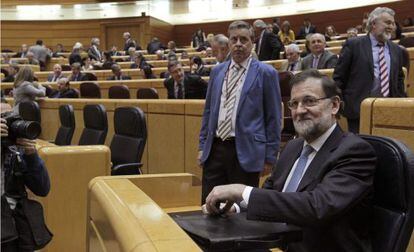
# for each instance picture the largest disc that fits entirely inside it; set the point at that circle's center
(235, 232)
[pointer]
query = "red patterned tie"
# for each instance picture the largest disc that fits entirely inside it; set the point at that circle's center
(385, 83)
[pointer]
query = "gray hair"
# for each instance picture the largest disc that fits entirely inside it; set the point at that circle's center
(221, 39)
(63, 80)
(239, 24)
(294, 47)
(317, 34)
(259, 23)
(373, 16)
(127, 34)
(94, 40)
(352, 29)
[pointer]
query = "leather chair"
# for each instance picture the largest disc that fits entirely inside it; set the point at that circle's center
(67, 125)
(393, 215)
(129, 140)
(30, 111)
(288, 131)
(66, 68)
(96, 125)
(147, 93)
(89, 77)
(119, 92)
(90, 90)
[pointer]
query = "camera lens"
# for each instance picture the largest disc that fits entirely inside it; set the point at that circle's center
(25, 129)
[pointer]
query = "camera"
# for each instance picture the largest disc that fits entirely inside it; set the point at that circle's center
(19, 128)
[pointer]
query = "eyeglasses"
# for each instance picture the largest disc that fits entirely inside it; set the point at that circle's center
(307, 101)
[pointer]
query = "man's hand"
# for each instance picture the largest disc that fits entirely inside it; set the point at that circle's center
(4, 128)
(266, 170)
(29, 146)
(200, 154)
(232, 209)
(227, 194)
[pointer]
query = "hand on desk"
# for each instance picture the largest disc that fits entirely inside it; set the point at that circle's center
(228, 194)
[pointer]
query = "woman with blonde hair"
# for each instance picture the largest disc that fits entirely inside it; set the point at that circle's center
(25, 88)
(286, 35)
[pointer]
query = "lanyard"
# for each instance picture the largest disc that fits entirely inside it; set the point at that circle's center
(228, 92)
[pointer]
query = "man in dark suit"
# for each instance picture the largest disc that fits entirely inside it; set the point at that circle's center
(116, 70)
(240, 132)
(23, 52)
(322, 181)
(370, 66)
(268, 45)
(184, 86)
(56, 75)
(154, 45)
(94, 52)
(76, 72)
(12, 71)
(319, 58)
(64, 90)
(129, 42)
(306, 29)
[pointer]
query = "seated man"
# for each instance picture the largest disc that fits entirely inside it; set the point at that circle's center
(182, 86)
(323, 180)
(64, 90)
(116, 70)
(12, 70)
(294, 62)
(56, 75)
(319, 58)
(76, 72)
(31, 60)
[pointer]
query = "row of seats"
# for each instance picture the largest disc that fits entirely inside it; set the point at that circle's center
(128, 142)
(92, 90)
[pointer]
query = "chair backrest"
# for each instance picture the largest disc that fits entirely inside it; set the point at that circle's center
(96, 125)
(67, 125)
(130, 136)
(119, 92)
(66, 68)
(89, 77)
(30, 111)
(147, 93)
(90, 90)
(288, 131)
(393, 195)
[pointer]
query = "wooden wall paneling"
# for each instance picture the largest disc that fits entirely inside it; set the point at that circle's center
(161, 30)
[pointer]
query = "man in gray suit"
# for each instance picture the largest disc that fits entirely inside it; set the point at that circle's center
(56, 75)
(40, 52)
(319, 58)
(294, 62)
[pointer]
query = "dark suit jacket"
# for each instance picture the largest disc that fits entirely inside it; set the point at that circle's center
(74, 57)
(69, 93)
(333, 200)
(94, 54)
(194, 87)
(154, 46)
(302, 32)
(9, 78)
(354, 73)
(326, 60)
(270, 47)
(78, 78)
(123, 77)
(129, 43)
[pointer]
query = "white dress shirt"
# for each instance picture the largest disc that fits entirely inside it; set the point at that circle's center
(223, 111)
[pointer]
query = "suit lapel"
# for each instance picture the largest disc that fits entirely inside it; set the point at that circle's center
(315, 167)
(368, 49)
(394, 63)
(321, 60)
(248, 82)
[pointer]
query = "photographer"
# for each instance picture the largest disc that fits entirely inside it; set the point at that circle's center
(21, 166)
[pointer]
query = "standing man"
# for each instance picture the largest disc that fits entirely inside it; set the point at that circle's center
(129, 42)
(268, 44)
(93, 51)
(220, 48)
(324, 178)
(319, 58)
(184, 86)
(240, 131)
(40, 53)
(306, 29)
(370, 66)
(294, 62)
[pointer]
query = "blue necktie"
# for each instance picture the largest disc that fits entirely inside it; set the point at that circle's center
(300, 167)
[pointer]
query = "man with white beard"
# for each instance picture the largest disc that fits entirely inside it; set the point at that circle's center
(370, 66)
(322, 181)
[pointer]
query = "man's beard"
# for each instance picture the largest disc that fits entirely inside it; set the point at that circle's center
(386, 36)
(311, 130)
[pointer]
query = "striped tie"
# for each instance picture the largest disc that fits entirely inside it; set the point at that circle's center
(385, 90)
(224, 128)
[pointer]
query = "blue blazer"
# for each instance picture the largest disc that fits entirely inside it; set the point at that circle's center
(258, 122)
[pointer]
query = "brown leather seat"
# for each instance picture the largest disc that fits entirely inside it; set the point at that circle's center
(119, 92)
(90, 90)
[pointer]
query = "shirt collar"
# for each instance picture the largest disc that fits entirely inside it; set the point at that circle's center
(244, 64)
(317, 143)
(374, 41)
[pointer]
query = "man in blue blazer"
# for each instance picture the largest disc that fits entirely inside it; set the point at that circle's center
(241, 125)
